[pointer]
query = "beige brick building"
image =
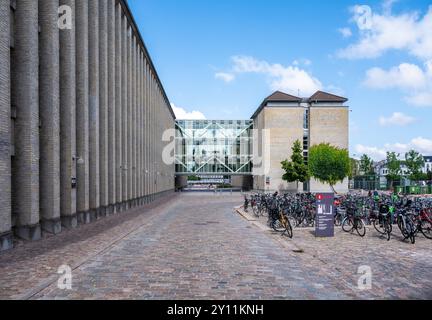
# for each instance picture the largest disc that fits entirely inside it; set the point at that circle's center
(82, 114)
(282, 119)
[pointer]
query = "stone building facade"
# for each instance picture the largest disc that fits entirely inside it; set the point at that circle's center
(281, 120)
(82, 114)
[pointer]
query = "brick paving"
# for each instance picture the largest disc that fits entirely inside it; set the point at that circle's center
(195, 246)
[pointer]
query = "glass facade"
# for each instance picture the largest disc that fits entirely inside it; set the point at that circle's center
(214, 147)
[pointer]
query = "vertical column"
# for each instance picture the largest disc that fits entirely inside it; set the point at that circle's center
(5, 119)
(82, 111)
(118, 106)
(145, 126)
(136, 147)
(49, 110)
(103, 106)
(67, 122)
(129, 118)
(125, 86)
(25, 97)
(152, 134)
(133, 119)
(141, 124)
(93, 42)
(138, 124)
(112, 104)
(150, 142)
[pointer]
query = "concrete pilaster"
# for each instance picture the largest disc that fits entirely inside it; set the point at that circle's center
(25, 97)
(49, 108)
(133, 117)
(67, 122)
(129, 116)
(119, 104)
(103, 103)
(94, 154)
(112, 146)
(125, 98)
(140, 126)
(152, 135)
(82, 107)
(144, 169)
(5, 134)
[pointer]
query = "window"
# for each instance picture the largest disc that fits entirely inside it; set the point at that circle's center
(306, 119)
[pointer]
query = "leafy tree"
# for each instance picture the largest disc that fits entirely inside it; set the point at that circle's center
(429, 175)
(295, 170)
(393, 167)
(366, 165)
(329, 164)
(355, 168)
(414, 162)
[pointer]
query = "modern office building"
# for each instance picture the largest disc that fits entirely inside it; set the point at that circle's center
(82, 113)
(282, 119)
(250, 152)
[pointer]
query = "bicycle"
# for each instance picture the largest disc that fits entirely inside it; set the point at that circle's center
(278, 221)
(406, 225)
(383, 224)
(353, 221)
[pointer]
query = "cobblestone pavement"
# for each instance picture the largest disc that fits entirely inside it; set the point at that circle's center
(400, 270)
(196, 246)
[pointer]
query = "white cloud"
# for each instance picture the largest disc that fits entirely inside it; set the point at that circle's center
(227, 77)
(182, 114)
(422, 99)
(396, 119)
(404, 76)
(373, 152)
(285, 78)
(379, 33)
(345, 32)
(420, 144)
(410, 78)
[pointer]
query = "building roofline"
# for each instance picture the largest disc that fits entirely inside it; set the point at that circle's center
(328, 97)
(297, 100)
(128, 13)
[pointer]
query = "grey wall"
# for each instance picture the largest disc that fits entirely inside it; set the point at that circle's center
(82, 113)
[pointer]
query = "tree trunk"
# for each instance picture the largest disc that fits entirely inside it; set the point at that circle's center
(334, 190)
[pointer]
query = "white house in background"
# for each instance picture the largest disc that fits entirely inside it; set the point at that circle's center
(382, 171)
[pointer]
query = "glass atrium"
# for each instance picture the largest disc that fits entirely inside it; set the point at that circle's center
(214, 147)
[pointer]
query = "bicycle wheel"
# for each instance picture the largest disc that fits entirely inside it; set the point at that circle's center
(277, 226)
(426, 229)
(347, 225)
(300, 219)
(288, 229)
(388, 229)
(379, 226)
(402, 229)
(337, 220)
(255, 211)
(412, 237)
(361, 228)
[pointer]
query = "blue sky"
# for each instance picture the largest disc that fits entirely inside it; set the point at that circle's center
(220, 58)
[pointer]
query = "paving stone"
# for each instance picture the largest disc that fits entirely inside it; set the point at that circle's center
(171, 251)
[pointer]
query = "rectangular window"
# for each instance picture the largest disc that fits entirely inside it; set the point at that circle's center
(306, 119)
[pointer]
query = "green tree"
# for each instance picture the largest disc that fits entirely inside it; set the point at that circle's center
(414, 162)
(329, 164)
(366, 163)
(295, 170)
(355, 168)
(393, 167)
